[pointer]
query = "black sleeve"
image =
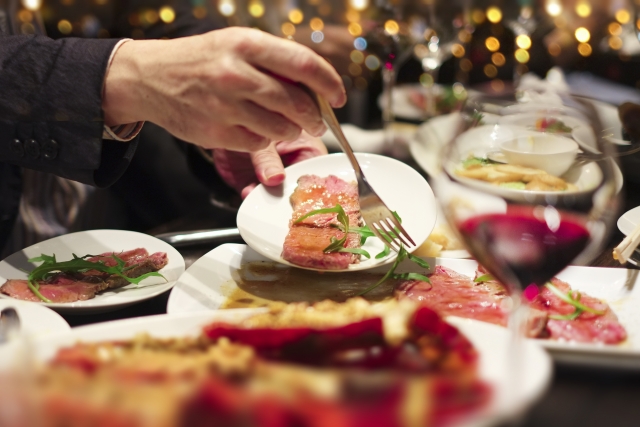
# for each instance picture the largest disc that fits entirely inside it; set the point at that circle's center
(51, 115)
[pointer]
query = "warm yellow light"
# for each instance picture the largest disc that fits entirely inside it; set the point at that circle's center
(457, 50)
(32, 4)
(497, 85)
(492, 43)
(226, 7)
(199, 12)
(426, 80)
(288, 29)
(355, 29)
(614, 29)
(494, 14)
(498, 59)
(623, 16)
(256, 8)
(357, 56)
(359, 4)
(64, 26)
(316, 24)
(490, 71)
(584, 49)
(150, 16)
(553, 7)
(355, 69)
(296, 16)
(353, 15)
(522, 56)
(360, 83)
(523, 41)
(615, 43)
(391, 27)
(582, 35)
(583, 9)
(25, 15)
(167, 15)
(477, 16)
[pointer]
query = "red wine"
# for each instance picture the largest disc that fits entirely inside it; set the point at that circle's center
(525, 245)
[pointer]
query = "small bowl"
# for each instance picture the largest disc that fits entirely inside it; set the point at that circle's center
(551, 153)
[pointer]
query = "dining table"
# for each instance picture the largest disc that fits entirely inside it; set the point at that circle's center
(578, 395)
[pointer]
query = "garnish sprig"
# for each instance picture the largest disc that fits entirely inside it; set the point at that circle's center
(78, 264)
(569, 298)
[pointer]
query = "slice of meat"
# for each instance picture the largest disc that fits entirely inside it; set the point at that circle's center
(62, 291)
(453, 294)
(588, 327)
(306, 240)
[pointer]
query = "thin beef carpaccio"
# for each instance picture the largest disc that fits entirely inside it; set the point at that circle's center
(306, 240)
(71, 287)
(454, 294)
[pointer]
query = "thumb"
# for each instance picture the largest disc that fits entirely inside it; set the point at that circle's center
(268, 165)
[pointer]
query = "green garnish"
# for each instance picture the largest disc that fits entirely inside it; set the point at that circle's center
(78, 265)
(483, 278)
(516, 185)
(337, 245)
(472, 161)
(569, 298)
(391, 274)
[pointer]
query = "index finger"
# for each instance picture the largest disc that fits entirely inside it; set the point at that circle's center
(297, 63)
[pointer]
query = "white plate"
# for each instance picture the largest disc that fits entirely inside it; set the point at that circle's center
(432, 136)
(628, 221)
(209, 281)
(97, 242)
(492, 343)
(35, 320)
(263, 218)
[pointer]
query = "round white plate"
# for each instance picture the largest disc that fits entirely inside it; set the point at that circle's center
(263, 218)
(629, 220)
(528, 120)
(96, 242)
(492, 343)
(35, 320)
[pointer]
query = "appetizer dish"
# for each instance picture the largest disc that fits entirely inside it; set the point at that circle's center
(81, 278)
(551, 125)
(352, 364)
(512, 176)
(310, 235)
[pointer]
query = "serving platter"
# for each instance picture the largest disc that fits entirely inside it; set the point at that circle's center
(97, 242)
(35, 320)
(211, 281)
(263, 218)
(492, 343)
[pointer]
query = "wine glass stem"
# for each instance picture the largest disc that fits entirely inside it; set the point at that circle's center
(516, 367)
(388, 81)
(430, 104)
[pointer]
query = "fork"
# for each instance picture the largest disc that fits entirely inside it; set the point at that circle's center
(382, 222)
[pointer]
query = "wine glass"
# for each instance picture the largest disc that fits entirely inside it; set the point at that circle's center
(522, 235)
(434, 26)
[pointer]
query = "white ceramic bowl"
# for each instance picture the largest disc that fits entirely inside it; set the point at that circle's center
(551, 153)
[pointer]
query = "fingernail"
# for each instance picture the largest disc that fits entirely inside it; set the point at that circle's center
(340, 100)
(274, 175)
(320, 131)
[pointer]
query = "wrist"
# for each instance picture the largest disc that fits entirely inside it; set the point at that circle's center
(122, 90)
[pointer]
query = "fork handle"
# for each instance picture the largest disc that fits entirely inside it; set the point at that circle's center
(330, 118)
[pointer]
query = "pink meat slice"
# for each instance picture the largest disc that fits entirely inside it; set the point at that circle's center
(61, 290)
(588, 327)
(454, 294)
(305, 241)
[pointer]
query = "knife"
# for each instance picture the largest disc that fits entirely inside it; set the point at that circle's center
(198, 237)
(9, 324)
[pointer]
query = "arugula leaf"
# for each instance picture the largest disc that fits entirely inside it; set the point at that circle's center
(78, 265)
(336, 244)
(384, 252)
(574, 301)
(391, 274)
(336, 209)
(483, 278)
(356, 251)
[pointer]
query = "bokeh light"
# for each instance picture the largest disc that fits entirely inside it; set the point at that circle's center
(523, 41)
(457, 50)
(32, 4)
(199, 12)
(490, 71)
(296, 16)
(256, 8)
(288, 29)
(497, 85)
(316, 24)
(492, 43)
(353, 15)
(582, 34)
(357, 56)
(64, 26)
(466, 65)
(355, 69)
(623, 16)
(167, 14)
(614, 29)
(360, 43)
(585, 49)
(583, 8)
(522, 56)
(426, 80)
(226, 7)
(494, 14)
(355, 29)
(391, 27)
(372, 62)
(554, 49)
(464, 36)
(615, 43)
(553, 7)
(498, 59)
(478, 16)
(359, 4)
(317, 36)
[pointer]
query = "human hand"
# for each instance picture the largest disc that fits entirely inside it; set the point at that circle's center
(235, 88)
(244, 171)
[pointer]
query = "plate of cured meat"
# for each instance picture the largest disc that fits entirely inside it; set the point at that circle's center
(91, 271)
(352, 363)
(235, 276)
(297, 222)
